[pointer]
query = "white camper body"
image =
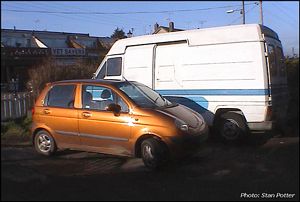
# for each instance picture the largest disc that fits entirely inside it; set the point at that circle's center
(215, 70)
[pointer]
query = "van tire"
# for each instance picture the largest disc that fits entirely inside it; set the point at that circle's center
(154, 153)
(44, 143)
(231, 127)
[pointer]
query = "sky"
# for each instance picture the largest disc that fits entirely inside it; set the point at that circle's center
(101, 18)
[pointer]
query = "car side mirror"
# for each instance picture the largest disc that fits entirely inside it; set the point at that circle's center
(115, 108)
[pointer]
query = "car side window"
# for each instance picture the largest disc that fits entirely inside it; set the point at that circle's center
(61, 96)
(99, 97)
(114, 66)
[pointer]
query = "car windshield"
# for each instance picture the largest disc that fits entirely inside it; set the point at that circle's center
(143, 96)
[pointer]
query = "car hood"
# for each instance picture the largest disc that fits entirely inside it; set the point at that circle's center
(190, 117)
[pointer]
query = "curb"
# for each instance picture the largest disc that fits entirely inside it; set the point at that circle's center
(19, 144)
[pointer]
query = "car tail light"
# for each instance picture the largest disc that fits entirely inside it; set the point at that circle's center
(32, 111)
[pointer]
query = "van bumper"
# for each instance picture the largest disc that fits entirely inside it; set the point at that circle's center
(261, 126)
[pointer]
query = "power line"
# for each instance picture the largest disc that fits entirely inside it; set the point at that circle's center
(283, 10)
(75, 18)
(279, 17)
(107, 19)
(242, 16)
(92, 19)
(117, 13)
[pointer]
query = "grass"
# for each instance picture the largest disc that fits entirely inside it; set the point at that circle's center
(17, 131)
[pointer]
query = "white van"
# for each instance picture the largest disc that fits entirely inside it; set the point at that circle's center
(233, 75)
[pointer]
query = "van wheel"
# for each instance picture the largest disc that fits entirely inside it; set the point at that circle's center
(44, 143)
(154, 153)
(231, 127)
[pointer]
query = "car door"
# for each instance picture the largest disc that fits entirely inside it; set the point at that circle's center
(101, 130)
(59, 115)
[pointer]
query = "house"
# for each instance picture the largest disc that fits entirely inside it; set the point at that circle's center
(22, 49)
(161, 29)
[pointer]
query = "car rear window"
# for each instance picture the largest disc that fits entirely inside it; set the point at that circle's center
(61, 96)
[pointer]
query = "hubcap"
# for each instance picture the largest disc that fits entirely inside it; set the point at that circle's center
(148, 152)
(230, 129)
(44, 143)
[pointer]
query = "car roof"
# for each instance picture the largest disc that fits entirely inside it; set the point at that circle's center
(95, 81)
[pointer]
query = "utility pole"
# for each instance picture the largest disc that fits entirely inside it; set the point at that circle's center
(261, 13)
(243, 11)
(293, 52)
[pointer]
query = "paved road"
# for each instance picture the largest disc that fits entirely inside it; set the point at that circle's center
(215, 172)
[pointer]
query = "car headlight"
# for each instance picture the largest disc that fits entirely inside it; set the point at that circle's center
(181, 125)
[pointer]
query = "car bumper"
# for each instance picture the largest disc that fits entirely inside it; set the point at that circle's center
(185, 144)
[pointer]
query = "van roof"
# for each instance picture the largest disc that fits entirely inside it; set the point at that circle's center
(215, 35)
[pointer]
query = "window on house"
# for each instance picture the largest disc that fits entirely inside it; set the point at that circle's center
(28, 42)
(61, 96)
(114, 66)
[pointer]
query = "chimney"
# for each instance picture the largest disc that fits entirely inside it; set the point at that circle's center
(156, 27)
(129, 34)
(171, 26)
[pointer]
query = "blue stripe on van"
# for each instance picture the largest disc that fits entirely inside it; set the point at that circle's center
(215, 92)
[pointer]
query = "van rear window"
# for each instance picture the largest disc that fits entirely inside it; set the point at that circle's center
(280, 61)
(272, 60)
(114, 66)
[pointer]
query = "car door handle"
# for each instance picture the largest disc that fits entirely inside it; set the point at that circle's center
(47, 111)
(86, 114)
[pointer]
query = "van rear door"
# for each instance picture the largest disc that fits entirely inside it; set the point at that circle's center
(278, 80)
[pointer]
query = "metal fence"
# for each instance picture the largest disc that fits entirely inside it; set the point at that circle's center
(15, 105)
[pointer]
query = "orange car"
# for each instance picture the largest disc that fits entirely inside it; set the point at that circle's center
(114, 117)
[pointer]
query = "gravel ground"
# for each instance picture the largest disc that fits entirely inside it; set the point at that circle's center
(266, 169)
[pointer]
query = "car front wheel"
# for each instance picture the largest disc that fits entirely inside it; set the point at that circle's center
(154, 153)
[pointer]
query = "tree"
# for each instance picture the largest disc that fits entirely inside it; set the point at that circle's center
(118, 34)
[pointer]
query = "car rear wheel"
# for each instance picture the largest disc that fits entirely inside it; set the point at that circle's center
(154, 153)
(44, 143)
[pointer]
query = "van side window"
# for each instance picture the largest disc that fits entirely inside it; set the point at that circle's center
(99, 97)
(61, 96)
(280, 61)
(114, 66)
(102, 72)
(272, 60)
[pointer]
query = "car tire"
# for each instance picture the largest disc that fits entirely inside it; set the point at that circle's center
(231, 127)
(154, 153)
(44, 143)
